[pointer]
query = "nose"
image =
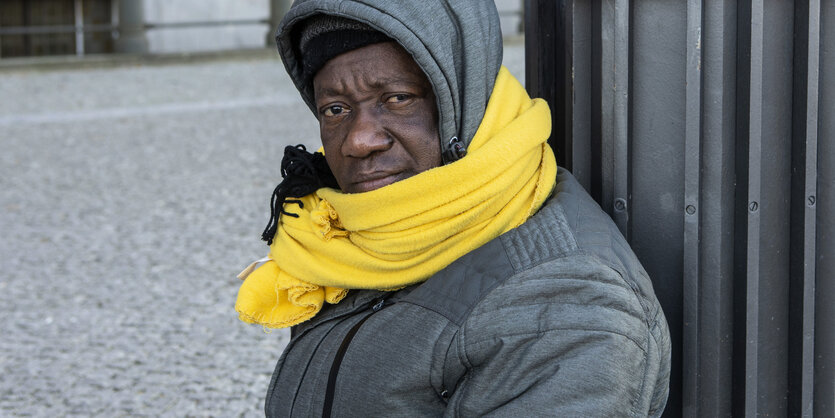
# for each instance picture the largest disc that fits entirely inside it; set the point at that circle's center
(366, 135)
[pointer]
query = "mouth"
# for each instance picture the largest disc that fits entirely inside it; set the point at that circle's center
(373, 181)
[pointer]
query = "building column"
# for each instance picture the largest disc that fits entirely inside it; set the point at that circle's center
(131, 27)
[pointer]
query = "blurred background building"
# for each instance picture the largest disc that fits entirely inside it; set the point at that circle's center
(83, 27)
(140, 142)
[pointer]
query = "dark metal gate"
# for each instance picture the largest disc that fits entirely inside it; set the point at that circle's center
(56, 27)
(705, 129)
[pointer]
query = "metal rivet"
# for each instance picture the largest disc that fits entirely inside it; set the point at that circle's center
(620, 204)
(753, 206)
(690, 209)
(811, 200)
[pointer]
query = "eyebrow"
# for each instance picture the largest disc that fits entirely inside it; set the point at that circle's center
(376, 84)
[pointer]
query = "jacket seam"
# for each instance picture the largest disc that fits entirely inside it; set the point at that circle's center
(644, 360)
(307, 366)
(437, 311)
(452, 341)
(520, 267)
(636, 399)
(576, 251)
(465, 361)
(658, 352)
(646, 318)
(462, 346)
(545, 331)
(625, 288)
(629, 284)
(482, 273)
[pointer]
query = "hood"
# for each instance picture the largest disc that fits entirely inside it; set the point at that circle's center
(457, 43)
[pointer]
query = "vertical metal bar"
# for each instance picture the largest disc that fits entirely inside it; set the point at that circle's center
(824, 396)
(532, 47)
(607, 104)
(560, 140)
(79, 28)
(716, 207)
(579, 44)
(752, 308)
(567, 35)
(598, 87)
(692, 208)
(114, 18)
(801, 68)
(621, 163)
(542, 61)
(567, 49)
(810, 212)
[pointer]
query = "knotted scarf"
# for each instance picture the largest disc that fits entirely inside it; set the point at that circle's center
(403, 233)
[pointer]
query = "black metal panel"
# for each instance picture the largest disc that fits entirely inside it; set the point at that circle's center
(691, 291)
(716, 193)
(578, 130)
(621, 143)
(824, 379)
(747, 201)
(607, 106)
(658, 141)
(803, 197)
(776, 169)
(543, 48)
(704, 128)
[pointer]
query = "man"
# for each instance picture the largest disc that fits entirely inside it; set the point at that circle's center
(435, 262)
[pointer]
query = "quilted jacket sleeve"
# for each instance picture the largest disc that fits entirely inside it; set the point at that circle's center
(568, 338)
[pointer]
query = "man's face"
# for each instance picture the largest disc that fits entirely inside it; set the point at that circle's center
(377, 117)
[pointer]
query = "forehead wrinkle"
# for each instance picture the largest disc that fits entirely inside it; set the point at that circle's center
(361, 81)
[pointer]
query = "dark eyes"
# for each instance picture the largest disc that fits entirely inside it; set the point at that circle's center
(397, 98)
(339, 109)
(333, 110)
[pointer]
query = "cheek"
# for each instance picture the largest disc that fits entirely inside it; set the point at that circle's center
(329, 135)
(337, 166)
(425, 140)
(332, 151)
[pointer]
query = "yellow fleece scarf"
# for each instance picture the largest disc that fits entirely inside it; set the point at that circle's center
(404, 233)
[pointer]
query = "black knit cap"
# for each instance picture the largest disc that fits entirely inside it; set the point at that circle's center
(323, 37)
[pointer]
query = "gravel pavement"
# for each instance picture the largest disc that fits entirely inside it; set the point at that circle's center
(130, 197)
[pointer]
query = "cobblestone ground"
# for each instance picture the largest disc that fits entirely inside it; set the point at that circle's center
(130, 197)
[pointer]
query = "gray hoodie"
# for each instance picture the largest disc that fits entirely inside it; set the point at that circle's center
(458, 44)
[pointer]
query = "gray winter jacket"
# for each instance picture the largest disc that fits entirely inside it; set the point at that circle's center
(554, 318)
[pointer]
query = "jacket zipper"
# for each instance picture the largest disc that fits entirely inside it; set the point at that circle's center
(340, 354)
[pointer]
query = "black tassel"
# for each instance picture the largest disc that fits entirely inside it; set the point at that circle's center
(303, 174)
